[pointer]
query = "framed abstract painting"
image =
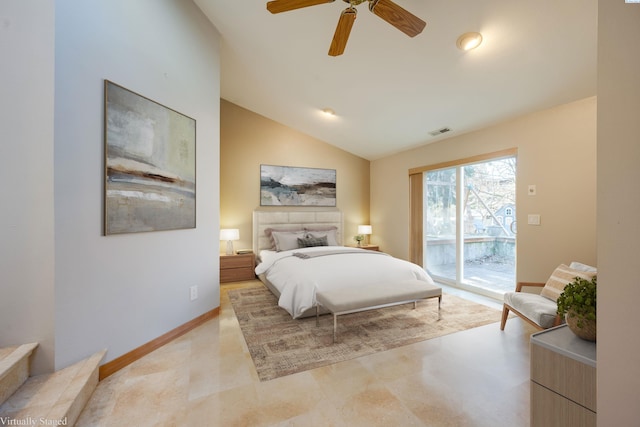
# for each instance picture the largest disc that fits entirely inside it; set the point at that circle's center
(296, 186)
(150, 164)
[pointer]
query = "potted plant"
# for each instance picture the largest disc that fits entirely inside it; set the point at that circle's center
(578, 303)
(359, 238)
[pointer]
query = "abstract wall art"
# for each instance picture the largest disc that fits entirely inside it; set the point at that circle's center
(150, 164)
(296, 186)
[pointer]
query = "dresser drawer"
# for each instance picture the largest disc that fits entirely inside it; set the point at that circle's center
(236, 274)
(566, 376)
(549, 409)
(237, 267)
(236, 261)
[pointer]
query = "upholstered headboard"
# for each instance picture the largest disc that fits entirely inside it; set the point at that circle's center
(290, 219)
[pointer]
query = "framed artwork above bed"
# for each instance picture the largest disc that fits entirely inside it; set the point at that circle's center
(296, 186)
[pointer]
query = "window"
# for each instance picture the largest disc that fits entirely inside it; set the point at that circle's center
(463, 232)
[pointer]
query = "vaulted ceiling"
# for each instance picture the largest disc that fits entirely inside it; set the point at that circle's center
(389, 91)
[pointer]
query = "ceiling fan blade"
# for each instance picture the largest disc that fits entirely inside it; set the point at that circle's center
(340, 37)
(277, 6)
(395, 15)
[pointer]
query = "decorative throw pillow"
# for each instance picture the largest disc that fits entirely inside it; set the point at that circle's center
(331, 235)
(269, 234)
(560, 278)
(311, 241)
(286, 240)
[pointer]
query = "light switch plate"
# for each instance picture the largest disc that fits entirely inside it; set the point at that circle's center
(533, 219)
(532, 190)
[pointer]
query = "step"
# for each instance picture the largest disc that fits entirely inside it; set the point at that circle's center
(14, 368)
(56, 398)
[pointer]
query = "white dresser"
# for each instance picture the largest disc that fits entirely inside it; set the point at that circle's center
(563, 379)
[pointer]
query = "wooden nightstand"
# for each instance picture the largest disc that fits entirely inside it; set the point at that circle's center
(234, 268)
(367, 247)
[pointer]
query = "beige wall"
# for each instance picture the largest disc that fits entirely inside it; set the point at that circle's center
(618, 208)
(556, 152)
(248, 140)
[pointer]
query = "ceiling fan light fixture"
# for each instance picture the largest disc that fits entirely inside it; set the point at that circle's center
(341, 36)
(469, 41)
(390, 12)
(397, 16)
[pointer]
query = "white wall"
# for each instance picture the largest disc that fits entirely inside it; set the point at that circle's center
(26, 173)
(119, 292)
(618, 213)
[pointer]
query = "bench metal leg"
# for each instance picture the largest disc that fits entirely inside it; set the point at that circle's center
(335, 316)
(335, 322)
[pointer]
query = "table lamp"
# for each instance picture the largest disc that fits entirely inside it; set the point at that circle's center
(229, 234)
(366, 231)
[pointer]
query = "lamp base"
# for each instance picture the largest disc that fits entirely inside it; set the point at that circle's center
(229, 247)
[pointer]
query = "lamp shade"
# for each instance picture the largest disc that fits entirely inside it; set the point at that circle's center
(229, 234)
(364, 229)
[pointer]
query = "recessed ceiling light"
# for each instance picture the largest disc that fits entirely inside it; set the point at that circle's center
(469, 41)
(328, 112)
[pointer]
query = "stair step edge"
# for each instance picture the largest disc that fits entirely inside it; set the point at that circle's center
(76, 395)
(20, 352)
(14, 370)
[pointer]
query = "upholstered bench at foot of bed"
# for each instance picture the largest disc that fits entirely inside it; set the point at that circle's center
(345, 301)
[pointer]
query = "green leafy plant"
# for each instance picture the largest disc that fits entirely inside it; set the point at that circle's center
(358, 238)
(579, 300)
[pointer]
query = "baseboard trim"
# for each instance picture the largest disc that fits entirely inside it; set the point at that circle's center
(115, 365)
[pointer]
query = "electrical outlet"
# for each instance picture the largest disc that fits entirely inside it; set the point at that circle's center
(193, 292)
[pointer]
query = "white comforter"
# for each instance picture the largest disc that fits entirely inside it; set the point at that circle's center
(298, 279)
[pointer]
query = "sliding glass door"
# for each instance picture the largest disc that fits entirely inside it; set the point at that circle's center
(470, 222)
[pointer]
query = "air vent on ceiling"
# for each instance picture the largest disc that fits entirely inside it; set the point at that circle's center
(439, 131)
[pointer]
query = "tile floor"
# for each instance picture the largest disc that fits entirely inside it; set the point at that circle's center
(478, 377)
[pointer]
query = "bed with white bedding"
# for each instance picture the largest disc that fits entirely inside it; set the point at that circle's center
(294, 274)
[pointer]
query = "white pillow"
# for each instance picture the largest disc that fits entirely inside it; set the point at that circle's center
(267, 256)
(332, 239)
(269, 232)
(286, 240)
(582, 267)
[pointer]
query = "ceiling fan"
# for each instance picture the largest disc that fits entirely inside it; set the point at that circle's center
(395, 15)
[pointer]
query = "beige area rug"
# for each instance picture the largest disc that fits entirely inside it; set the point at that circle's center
(280, 345)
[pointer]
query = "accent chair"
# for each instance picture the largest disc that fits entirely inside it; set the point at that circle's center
(536, 303)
